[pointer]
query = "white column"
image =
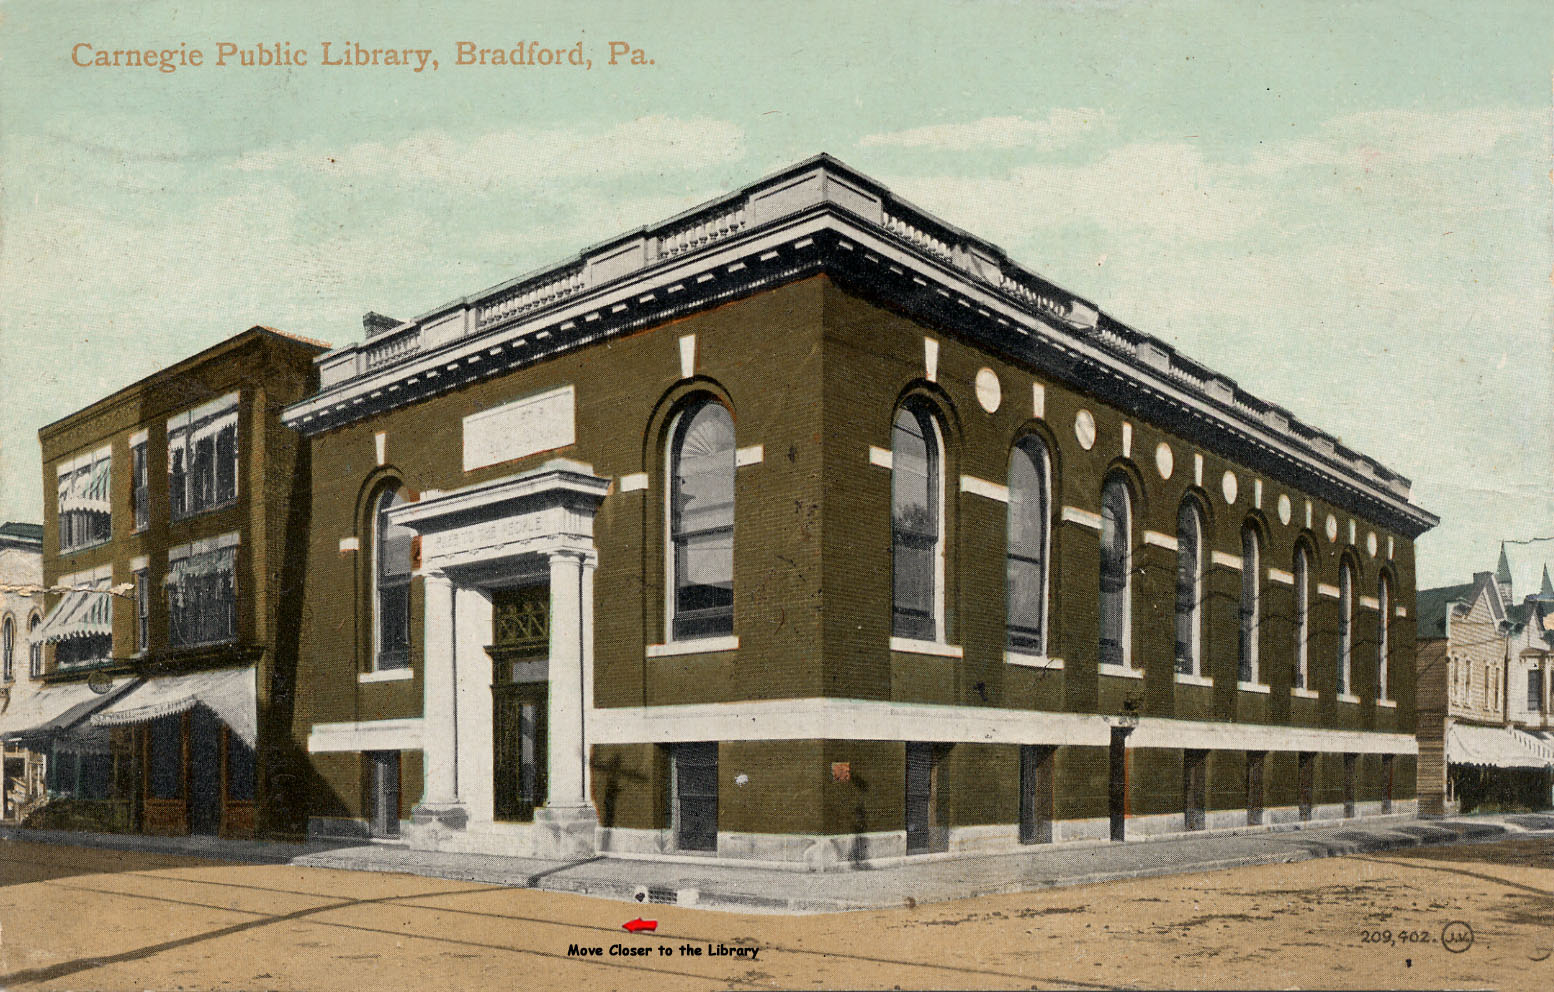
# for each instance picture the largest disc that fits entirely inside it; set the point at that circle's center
(587, 611)
(472, 613)
(440, 742)
(567, 671)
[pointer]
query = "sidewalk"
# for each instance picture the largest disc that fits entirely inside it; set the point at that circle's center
(740, 888)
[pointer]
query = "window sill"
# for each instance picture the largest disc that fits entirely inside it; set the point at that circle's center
(1390, 704)
(1183, 678)
(1033, 660)
(906, 645)
(1300, 693)
(1119, 671)
(699, 645)
(1344, 697)
(387, 675)
(202, 511)
(1254, 687)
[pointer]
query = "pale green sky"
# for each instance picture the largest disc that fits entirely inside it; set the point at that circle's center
(1347, 208)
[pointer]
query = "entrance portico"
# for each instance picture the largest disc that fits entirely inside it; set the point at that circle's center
(524, 530)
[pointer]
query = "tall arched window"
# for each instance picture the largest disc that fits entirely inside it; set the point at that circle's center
(1383, 634)
(1302, 572)
(34, 647)
(915, 525)
(1027, 548)
(1189, 589)
(701, 522)
(1251, 602)
(391, 581)
(1116, 566)
(8, 648)
(1345, 627)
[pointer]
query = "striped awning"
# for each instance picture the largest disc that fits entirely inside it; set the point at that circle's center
(50, 710)
(87, 490)
(82, 613)
(1494, 747)
(228, 692)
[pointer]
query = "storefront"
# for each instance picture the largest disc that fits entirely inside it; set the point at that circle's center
(188, 742)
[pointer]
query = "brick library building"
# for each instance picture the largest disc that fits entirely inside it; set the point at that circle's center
(807, 529)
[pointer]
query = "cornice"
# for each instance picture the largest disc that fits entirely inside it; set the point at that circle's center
(822, 217)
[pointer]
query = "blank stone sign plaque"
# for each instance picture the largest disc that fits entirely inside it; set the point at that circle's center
(513, 430)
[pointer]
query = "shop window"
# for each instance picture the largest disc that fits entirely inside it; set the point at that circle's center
(202, 458)
(1189, 589)
(85, 513)
(241, 771)
(701, 522)
(1029, 489)
(164, 758)
(201, 595)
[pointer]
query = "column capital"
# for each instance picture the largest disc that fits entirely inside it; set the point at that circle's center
(586, 557)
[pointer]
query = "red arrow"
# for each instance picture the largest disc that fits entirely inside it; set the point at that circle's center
(640, 924)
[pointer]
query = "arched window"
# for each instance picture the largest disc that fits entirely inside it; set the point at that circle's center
(1189, 589)
(1251, 602)
(391, 579)
(1027, 548)
(701, 522)
(1345, 627)
(1116, 566)
(34, 646)
(1383, 634)
(1302, 572)
(8, 648)
(916, 530)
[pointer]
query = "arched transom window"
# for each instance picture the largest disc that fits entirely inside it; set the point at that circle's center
(1189, 589)
(391, 551)
(701, 523)
(916, 497)
(1027, 548)
(1116, 569)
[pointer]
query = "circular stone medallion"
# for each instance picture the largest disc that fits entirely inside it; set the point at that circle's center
(1164, 460)
(1227, 486)
(1332, 528)
(1284, 509)
(989, 392)
(1084, 429)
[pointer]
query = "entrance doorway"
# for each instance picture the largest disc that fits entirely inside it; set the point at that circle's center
(383, 793)
(204, 772)
(925, 827)
(1036, 793)
(1195, 782)
(1307, 774)
(1117, 784)
(694, 790)
(1254, 786)
(520, 698)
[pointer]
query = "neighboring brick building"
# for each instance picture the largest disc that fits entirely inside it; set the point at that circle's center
(1484, 694)
(171, 545)
(807, 528)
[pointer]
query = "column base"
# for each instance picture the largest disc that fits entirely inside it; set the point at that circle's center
(563, 833)
(448, 816)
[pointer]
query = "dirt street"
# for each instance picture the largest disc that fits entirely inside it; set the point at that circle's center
(88, 919)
